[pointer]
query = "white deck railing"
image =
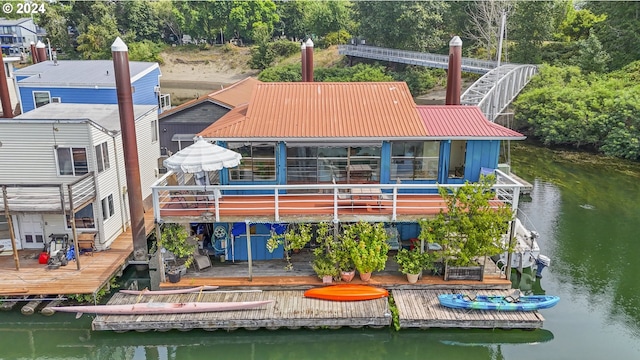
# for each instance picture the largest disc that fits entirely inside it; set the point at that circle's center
(325, 200)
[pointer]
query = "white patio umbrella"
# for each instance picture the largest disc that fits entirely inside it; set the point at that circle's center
(202, 156)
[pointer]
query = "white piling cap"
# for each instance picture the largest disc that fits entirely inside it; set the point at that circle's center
(40, 44)
(309, 43)
(455, 41)
(303, 46)
(119, 45)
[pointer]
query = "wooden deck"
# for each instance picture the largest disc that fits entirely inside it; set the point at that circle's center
(291, 310)
(416, 309)
(421, 309)
(95, 271)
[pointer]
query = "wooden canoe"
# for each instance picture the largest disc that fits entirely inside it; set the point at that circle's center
(347, 292)
(162, 307)
(498, 302)
(169, 292)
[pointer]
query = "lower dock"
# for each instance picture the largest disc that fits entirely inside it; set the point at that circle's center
(291, 310)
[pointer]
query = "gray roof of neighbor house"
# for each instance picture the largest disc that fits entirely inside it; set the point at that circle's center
(79, 73)
(105, 115)
(12, 22)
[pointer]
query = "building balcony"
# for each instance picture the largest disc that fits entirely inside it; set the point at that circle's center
(308, 202)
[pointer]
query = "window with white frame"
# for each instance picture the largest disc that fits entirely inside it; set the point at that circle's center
(258, 161)
(102, 157)
(41, 98)
(107, 207)
(56, 99)
(72, 161)
(154, 130)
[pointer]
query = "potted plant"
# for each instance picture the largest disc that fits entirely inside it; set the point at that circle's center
(471, 228)
(324, 262)
(294, 239)
(174, 240)
(324, 266)
(411, 263)
(344, 262)
(367, 244)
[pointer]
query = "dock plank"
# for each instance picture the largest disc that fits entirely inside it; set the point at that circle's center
(439, 316)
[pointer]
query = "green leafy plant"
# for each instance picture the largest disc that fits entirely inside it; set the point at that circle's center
(294, 239)
(472, 226)
(174, 239)
(411, 261)
(367, 244)
(325, 262)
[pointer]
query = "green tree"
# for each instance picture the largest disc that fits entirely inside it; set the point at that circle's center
(591, 56)
(139, 18)
(324, 17)
(95, 40)
(578, 24)
(408, 25)
(54, 21)
(620, 31)
(530, 24)
(262, 55)
(244, 16)
(292, 18)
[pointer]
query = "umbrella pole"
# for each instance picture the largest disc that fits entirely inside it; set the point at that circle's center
(248, 226)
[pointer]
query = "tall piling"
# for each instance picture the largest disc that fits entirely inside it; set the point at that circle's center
(120, 53)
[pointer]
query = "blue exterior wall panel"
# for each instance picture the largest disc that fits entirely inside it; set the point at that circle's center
(69, 95)
(143, 95)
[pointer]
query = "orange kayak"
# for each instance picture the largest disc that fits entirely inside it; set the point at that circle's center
(346, 292)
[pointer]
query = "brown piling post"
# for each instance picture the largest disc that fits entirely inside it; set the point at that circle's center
(7, 110)
(303, 53)
(454, 73)
(120, 53)
(41, 51)
(309, 51)
(34, 54)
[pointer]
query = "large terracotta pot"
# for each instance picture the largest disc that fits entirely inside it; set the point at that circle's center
(347, 276)
(365, 276)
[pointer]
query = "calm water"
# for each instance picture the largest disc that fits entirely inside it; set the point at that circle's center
(587, 214)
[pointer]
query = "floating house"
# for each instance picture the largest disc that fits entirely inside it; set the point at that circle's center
(62, 170)
(86, 82)
(334, 152)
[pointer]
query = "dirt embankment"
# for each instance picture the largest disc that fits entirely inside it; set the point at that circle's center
(189, 72)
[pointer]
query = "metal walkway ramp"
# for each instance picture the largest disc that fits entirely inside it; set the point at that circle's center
(493, 92)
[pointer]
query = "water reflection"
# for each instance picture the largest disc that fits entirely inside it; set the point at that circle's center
(70, 339)
(587, 214)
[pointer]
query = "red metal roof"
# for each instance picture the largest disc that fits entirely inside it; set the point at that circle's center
(307, 110)
(462, 121)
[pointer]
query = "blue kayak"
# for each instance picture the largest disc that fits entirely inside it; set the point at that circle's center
(498, 302)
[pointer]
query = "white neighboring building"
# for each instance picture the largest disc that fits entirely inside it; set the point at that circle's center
(45, 150)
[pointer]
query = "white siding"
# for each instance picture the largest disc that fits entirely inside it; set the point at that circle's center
(108, 183)
(27, 154)
(148, 152)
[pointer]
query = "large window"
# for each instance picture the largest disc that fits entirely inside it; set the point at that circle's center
(323, 164)
(83, 218)
(72, 161)
(107, 207)
(41, 98)
(415, 160)
(102, 157)
(258, 161)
